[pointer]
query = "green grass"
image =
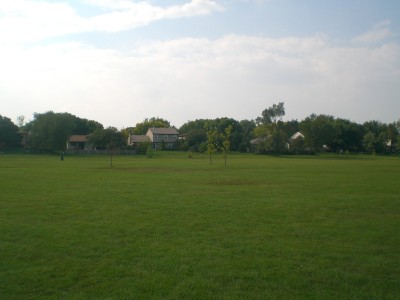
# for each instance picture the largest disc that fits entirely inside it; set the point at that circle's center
(170, 227)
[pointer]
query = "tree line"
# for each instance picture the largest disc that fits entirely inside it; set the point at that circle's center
(266, 134)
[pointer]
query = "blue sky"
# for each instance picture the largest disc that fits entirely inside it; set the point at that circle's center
(120, 61)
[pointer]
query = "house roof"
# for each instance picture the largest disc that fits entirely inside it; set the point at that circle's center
(170, 130)
(138, 138)
(297, 135)
(78, 138)
(258, 141)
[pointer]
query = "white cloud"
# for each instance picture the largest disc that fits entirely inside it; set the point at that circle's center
(27, 20)
(184, 79)
(127, 15)
(378, 33)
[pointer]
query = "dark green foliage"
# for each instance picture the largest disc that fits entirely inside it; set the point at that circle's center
(376, 136)
(272, 114)
(109, 138)
(196, 137)
(270, 130)
(246, 135)
(51, 130)
(194, 134)
(9, 133)
(318, 131)
(290, 127)
(84, 126)
(347, 136)
(141, 128)
(143, 147)
(343, 135)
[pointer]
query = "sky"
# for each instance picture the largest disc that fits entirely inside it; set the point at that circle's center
(121, 61)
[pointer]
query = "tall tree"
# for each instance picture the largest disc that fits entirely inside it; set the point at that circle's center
(269, 128)
(247, 129)
(51, 130)
(318, 131)
(392, 136)
(195, 137)
(85, 126)
(235, 135)
(141, 128)
(347, 136)
(376, 136)
(194, 133)
(9, 136)
(272, 114)
(290, 127)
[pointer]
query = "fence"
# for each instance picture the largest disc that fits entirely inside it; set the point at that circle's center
(100, 152)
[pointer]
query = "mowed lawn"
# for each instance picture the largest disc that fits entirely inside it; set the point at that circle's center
(170, 227)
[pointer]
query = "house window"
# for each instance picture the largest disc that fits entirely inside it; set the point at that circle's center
(175, 137)
(165, 137)
(156, 136)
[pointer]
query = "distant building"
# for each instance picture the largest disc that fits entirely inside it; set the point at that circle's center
(296, 142)
(297, 135)
(78, 142)
(159, 138)
(134, 140)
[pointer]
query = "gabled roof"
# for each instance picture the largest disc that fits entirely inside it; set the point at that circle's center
(258, 141)
(296, 136)
(78, 138)
(138, 138)
(163, 130)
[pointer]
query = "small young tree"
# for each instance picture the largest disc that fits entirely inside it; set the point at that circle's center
(226, 144)
(212, 137)
(109, 139)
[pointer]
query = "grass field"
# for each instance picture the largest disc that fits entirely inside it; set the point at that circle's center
(170, 227)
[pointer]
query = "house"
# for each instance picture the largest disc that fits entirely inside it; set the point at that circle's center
(163, 137)
(160, 138)
(78, 142)
(134, 140)
(296, 142)
(257, 144)
(297, 135)
(258, 141)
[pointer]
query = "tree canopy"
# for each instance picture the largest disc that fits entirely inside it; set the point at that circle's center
(142, 127)
(272, 114)
(9, 135)
(109, 138)
(270, 130)
(51, 130)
